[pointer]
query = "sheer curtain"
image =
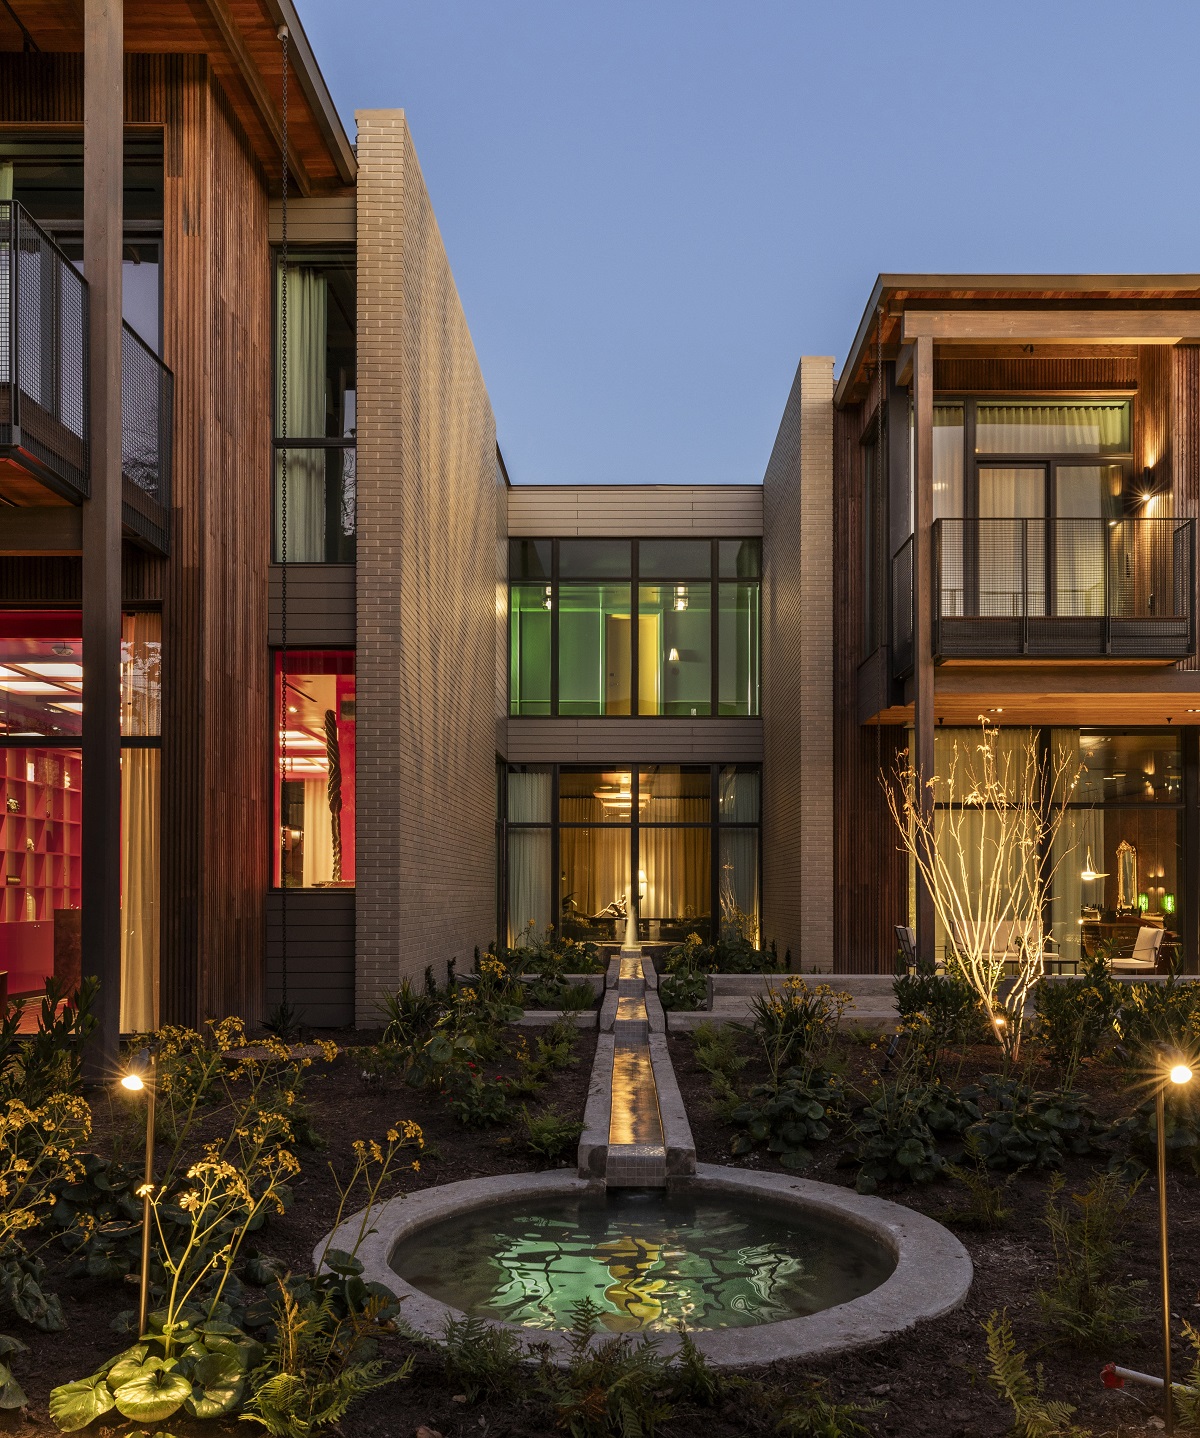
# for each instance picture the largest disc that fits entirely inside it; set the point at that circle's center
(1087, 499)
(1052, 428)
(1011, 555)
(676, 863)
(318, 834)
(307, 311)
(530, 795)
(140, 837)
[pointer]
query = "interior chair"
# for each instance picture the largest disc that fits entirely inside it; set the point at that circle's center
(1143, 957)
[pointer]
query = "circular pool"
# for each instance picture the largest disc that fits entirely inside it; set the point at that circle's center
(649, 1260)
(759, 1266)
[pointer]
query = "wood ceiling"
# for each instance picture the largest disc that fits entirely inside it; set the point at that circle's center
(240, 39)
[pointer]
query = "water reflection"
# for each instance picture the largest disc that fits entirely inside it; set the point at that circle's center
(648, 1261)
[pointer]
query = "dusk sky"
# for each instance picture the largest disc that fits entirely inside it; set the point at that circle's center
(653, 209)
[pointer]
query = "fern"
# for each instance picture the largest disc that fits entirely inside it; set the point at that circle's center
(1035, 1415)
(1187, 1394)
(611, 1387)
(481, 1358)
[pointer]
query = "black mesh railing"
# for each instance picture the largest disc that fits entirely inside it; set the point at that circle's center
(43, 354)
(1064, 588)
(902, 609)
(147, 394)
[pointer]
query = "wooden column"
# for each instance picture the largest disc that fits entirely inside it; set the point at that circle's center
(103, 140)
(923, 720)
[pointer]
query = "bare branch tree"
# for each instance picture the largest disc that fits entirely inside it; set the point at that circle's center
(987, 848)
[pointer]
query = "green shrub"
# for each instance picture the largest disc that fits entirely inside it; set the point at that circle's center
(790, 1116)
(1025, 1127)
(685, 990)
(945, 1003)
(1076, 1018)
(607, 1386)
(985, 1207)
(481, 1359)
(734, 954)
(797, 1025)
(1034, 1415)
(1159, 1013)
(47, 1061)
(410, 1014)
(1181, 1111)
(896, 1143)
(1088, 1304)
(550, 1134)
(475, 1100)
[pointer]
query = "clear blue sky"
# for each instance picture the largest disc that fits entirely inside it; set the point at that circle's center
(654, 207)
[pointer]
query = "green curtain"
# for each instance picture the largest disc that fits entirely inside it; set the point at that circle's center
(307, 310)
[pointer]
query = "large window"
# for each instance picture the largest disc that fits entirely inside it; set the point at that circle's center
(41, 709)
(575, 648)
(679, 843)
(1118, 863)
(314, 769)
(315, 407)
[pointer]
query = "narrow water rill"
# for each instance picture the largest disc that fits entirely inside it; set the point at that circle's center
(637, 1154)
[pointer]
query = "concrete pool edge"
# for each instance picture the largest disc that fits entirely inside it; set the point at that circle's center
(932, 1275)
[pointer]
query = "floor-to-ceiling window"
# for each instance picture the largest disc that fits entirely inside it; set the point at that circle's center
(316, 420)
(680, 843)
(650, 627)
(41, 709)
(1117, 865)
(314, 769)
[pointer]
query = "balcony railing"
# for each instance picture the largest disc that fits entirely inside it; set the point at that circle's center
(1055, 589)
(44, 385)
(43, 357)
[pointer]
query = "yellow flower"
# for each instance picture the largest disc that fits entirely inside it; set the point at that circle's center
(393, 1136)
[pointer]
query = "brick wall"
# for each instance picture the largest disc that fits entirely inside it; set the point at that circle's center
(426, 589)
(797, 673)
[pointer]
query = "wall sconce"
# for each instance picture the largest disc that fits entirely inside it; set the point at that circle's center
(1168, 903)
(1143, 903)
(548, 598)
(681, 598)
(1147, 485)
(673, 656)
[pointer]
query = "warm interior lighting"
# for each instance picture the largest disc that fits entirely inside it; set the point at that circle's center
(673, 656)
(29, 686)
(1090, 872)
(681, 597)
(548, 598)
(53, 668)
(1180, 1073)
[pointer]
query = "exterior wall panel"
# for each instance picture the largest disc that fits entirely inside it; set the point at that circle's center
(426, 603)
(730, 510)
(320, 603)
(652, 741)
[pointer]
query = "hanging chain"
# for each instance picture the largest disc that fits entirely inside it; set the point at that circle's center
(877, 564)
(284, 784)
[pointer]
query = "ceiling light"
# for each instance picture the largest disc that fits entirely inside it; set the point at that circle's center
(53, 668)
(63, 649)
(71, 706)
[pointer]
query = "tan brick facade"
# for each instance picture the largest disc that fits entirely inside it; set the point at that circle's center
(426, 589)
(798, 673)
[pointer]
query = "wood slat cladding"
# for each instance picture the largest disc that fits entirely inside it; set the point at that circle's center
(320, 954)
(33, 579)
(216, 337)
(870, 883)
(732, 510)
(958, 374)
(1184, 441)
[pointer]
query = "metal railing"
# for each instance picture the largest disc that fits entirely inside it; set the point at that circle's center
(902, 609)
(43, 355)
(1064, 588)
(147, 400)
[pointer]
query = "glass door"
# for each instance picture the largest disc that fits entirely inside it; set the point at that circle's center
(1011, 561)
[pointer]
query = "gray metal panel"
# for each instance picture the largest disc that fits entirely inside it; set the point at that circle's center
(653, 741)
(321, 603)
(320, 926)
(732, 510)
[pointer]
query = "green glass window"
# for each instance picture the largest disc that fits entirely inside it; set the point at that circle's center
(530, 558)
(675, 649)
(529, 649)
(738, 631)
(594, 558)
(595, 652)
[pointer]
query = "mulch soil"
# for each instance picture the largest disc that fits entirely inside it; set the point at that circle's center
(930, 1381)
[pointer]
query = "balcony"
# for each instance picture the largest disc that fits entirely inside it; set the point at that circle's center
(1054, 589)
(44, 459)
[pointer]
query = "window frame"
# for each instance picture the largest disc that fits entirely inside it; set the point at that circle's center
(714, 582)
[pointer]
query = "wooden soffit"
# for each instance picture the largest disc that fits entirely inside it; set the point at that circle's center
(240, 39)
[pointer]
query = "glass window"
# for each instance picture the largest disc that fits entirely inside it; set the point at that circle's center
(669, 794)
(595, 882)
(595, 652)
(947, 461)
(1138, 768)
(675, 881)
(316, 407)
(739, 884)
(530, 795)
(595, 796)
(739, 649)
(1089, 428)
(314, 769)
(675, 649)
(41, 673)
(594, 558)
(530, 559)
(529, 624)
(738, 790)
(141, 840)
(674, 559)
(530, 907)
(739, 558)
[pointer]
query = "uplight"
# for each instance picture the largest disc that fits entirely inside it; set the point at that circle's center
(1180, 1073)
(133, 1082)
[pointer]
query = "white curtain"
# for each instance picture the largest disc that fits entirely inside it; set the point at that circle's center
(1051, 428)
(529, 797)
(1087, 497)
(595, 864)
(676, 863)
(318, 834)
(739, 882)
(1006, 573)
(140, 837)
(307, 309)
(528, 883)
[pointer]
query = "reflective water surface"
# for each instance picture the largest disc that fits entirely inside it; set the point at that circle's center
(647, 1259)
